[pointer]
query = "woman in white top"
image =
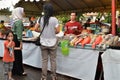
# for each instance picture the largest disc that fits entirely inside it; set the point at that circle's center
(48, 40)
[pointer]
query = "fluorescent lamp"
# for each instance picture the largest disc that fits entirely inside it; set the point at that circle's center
(31, 0)
(37, 0)
(26, 0)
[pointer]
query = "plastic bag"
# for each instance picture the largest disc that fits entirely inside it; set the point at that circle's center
(65, 47)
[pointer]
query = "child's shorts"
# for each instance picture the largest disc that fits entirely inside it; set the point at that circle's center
(8, 66)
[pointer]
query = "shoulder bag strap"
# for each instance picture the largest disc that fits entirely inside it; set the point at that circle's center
(42, 29)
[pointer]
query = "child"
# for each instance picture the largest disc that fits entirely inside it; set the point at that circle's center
(8, 57)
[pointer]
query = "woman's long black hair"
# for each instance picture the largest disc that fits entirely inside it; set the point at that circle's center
(48, 12)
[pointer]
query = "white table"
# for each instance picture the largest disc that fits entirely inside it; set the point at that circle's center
(111, 64)
(80, 63)
(1, 48)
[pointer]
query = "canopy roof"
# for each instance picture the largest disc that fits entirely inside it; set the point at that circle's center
(66, 6)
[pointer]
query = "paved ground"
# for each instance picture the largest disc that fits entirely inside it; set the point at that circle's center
(32, 74)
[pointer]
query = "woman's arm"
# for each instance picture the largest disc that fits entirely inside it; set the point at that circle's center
(19, 48)
(57, 29)
(37, 25)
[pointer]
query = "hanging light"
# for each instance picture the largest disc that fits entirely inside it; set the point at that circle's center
(42, 13)
(37, 0)
(26, 0)
(31, 0)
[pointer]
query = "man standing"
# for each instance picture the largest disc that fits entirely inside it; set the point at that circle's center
(73, 27)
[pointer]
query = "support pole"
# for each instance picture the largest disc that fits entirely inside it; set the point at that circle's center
(114, 17)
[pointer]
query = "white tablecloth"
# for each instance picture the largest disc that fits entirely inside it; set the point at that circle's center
(111, 64)
(80, 63)
(1, 48)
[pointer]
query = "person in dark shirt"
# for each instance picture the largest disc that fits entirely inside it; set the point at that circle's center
(87, 24)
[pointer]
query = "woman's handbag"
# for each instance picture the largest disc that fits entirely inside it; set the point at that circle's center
(37, 42)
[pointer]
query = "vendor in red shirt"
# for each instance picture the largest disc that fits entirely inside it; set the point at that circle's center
(73, 27)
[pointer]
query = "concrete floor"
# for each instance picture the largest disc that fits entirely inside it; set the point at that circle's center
(32, 74)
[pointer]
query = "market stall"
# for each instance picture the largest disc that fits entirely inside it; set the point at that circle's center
(80, 63)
